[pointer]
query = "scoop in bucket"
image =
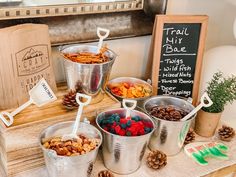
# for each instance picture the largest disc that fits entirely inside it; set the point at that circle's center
(40, 95)
(129, 105)
(74, 135)
(202, 104)
(101, 37)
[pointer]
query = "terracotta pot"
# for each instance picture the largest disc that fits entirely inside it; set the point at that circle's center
(206, 123)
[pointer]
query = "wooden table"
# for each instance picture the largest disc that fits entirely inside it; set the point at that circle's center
(223, 172)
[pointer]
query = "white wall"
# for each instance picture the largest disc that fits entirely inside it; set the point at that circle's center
(133, 52)
(221, 16)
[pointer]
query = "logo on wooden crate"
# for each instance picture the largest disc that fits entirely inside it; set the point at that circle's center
(32, 60)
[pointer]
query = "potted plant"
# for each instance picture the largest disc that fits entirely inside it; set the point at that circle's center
(221, 90)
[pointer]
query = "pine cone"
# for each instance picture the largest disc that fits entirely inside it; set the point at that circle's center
(226, 133)
(156, 160)
(78, 87)
(105, 173)
(69, 100)
(190, 137)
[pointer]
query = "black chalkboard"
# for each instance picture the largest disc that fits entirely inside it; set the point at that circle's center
(178, 50)
(178, 59)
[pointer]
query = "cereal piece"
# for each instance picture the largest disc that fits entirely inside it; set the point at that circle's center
(46, 145)
(129, 90)
(68, 143)
(56, 139)
(68, 153)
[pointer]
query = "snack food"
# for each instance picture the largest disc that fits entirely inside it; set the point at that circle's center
(88, 57)
(79, 146)
(168, 113)
(130, 126)
(130, 90)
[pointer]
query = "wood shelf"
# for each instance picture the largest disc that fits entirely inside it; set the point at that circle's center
(69, 9)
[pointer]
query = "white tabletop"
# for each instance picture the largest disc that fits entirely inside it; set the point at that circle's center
(178, 166)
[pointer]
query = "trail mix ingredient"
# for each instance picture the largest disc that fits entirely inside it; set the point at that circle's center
(79, 146)
(130, 90)
(168, 113)
(130, 126)
(88, 57)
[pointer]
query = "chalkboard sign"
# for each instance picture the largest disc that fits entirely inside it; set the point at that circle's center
(178, 43)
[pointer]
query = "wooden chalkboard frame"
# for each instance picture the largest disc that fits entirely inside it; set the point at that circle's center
(155, 52)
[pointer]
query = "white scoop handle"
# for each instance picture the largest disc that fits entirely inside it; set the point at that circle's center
(101, 37)
(7, 117)
(80, 110)
(129, 108)
(202, 104)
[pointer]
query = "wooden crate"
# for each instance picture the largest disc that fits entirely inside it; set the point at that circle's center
(19, 144)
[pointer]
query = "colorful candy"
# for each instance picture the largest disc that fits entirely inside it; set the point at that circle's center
(130, 126)
(130, 90)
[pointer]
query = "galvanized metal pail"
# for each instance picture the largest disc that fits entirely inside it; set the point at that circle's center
(169, 136)
(73, 166)
(123, 154)
(92, 78)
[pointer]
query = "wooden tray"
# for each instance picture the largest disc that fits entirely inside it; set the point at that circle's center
(19, 145)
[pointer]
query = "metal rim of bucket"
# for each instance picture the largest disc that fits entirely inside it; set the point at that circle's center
(132, 80)
(172, 97)
(128, 137)
(52, 126)
(79, 45)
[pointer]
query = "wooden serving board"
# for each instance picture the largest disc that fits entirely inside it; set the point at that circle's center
(19, 144)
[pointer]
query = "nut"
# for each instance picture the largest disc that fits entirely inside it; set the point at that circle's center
(79, 146)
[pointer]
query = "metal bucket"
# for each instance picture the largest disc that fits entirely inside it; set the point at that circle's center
(132, 80)
(169, 136)
(123, 154)
(74, 166)
(91, 77)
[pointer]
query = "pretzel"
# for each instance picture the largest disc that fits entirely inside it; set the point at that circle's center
(88, 57)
